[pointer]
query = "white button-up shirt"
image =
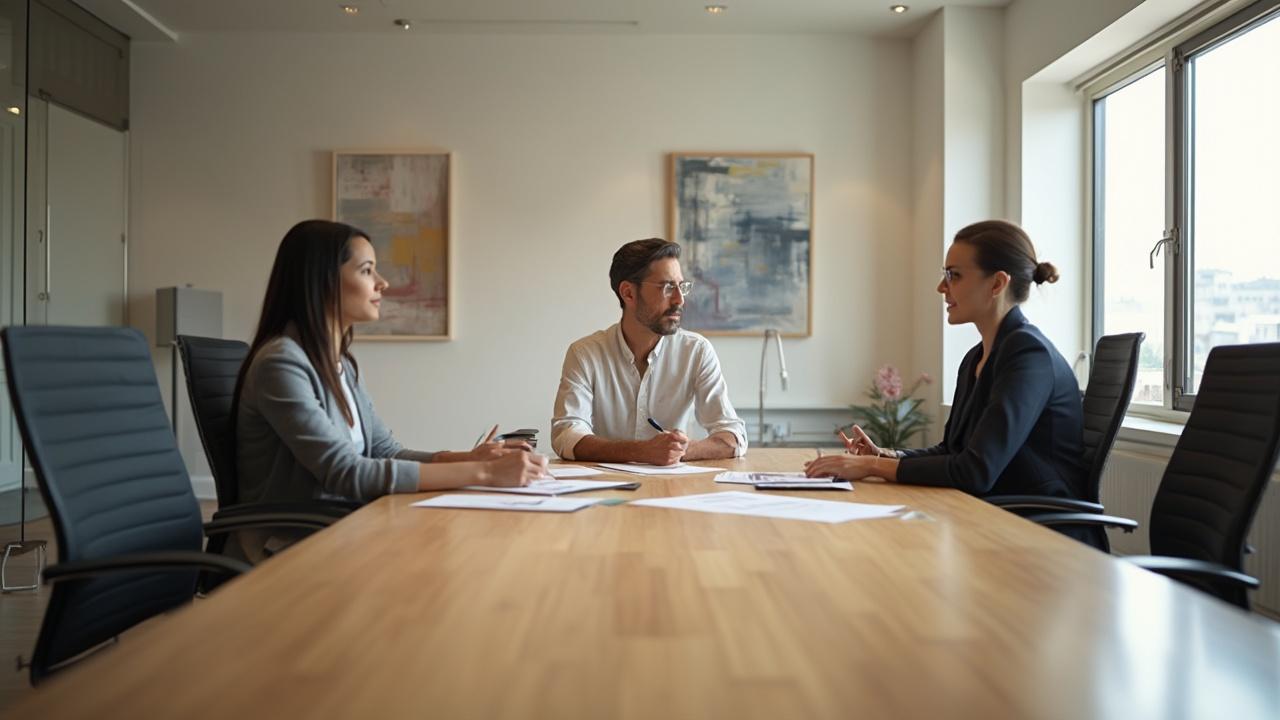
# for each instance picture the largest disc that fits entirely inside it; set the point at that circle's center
(602, 393)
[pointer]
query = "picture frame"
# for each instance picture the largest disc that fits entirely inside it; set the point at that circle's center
(403, 200)
(745, 223)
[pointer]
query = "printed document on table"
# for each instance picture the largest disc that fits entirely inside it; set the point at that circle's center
(774, 506)
(804, 485)
(502, 502)
(556, 487)
(643, 469)
(755, 478)
(571, 471)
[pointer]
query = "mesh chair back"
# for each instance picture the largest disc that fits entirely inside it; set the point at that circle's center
(211, 367)
(91, 416)
(1223, 461)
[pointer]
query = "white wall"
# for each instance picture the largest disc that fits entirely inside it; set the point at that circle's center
(1036, 33)
(928, 227)
(973, 137)
(559, 149)
(958, 167)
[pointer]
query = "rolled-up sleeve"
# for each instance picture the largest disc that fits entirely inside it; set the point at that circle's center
(291, 404)
(571, 416)
(711, 405)
(1019, 394)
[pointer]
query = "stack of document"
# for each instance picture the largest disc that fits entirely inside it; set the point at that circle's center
(783, 481)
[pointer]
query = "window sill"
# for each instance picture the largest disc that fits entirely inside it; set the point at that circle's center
(1144, 431)
(1150, 432)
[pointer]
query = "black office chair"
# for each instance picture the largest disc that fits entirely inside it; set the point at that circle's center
(212, 366)
(1215, 478)
(1106, 399)
(127, 522)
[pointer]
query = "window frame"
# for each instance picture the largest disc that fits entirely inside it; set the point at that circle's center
(1174, 51)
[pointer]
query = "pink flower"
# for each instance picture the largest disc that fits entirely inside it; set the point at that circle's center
(889, 382)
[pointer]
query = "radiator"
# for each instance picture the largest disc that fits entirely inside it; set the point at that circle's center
(1128, 489)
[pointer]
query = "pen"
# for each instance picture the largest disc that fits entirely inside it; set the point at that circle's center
(848, 444)
(486, 438)
(655, 425)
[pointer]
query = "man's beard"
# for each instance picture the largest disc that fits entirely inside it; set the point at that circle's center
(663, 322)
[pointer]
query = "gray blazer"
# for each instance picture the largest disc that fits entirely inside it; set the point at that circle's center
(293, 444)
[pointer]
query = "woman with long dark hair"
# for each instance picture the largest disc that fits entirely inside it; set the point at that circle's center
(305, 427)
(1016, 425)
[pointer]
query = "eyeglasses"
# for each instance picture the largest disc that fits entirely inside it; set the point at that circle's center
(669, 287)
(949, 274)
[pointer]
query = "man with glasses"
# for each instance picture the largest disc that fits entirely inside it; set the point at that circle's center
(626, 391)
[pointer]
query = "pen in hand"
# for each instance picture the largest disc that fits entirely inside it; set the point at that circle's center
(486, 438)
(655, 425)
(848, 443)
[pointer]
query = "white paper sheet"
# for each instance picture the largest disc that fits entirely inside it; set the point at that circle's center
(572, 471)
(643, 469)
(805, 485)
(755, 478)
(503, 502)
(774, 506)
(553, 487)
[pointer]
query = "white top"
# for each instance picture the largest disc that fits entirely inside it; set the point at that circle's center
(356, 430)
(601, 392)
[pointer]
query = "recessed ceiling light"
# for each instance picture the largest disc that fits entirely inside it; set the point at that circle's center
(350, 9)
(401, 23)
(717, 9)
(14, 109)
(899, 9)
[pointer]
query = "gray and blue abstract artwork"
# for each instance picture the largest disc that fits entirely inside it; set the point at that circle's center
(745, 223)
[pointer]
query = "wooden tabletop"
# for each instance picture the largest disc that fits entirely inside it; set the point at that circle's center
(638, 612)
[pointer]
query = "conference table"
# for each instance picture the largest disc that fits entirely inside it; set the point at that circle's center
(957, 609)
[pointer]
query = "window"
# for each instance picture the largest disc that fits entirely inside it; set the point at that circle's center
(1129, 213)
(1186, 191)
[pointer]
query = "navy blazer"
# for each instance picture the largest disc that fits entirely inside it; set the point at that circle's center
(1018, 429)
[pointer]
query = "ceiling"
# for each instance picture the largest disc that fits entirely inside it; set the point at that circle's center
(169, 19)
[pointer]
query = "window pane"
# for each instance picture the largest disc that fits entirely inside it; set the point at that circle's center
(1235, 183)
(1130, 212)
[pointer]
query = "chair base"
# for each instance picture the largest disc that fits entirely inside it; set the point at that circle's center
(14, 549)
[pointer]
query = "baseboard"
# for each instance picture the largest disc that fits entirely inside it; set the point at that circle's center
(204, 487)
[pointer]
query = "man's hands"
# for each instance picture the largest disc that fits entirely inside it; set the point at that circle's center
(665, 448)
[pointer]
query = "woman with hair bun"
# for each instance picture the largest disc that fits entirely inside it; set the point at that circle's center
(1016, 425)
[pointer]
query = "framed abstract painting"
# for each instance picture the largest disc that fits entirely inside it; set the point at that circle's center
(402, 199)
(745, 223)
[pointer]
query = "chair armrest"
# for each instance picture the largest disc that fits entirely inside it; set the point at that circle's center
(1187, 569)
(1055, 519)
(173, 560)
(1043, 502)
(307, 507)
(223, 525)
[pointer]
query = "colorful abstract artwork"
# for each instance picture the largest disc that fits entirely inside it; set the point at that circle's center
(402, 201)
(745, 223)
